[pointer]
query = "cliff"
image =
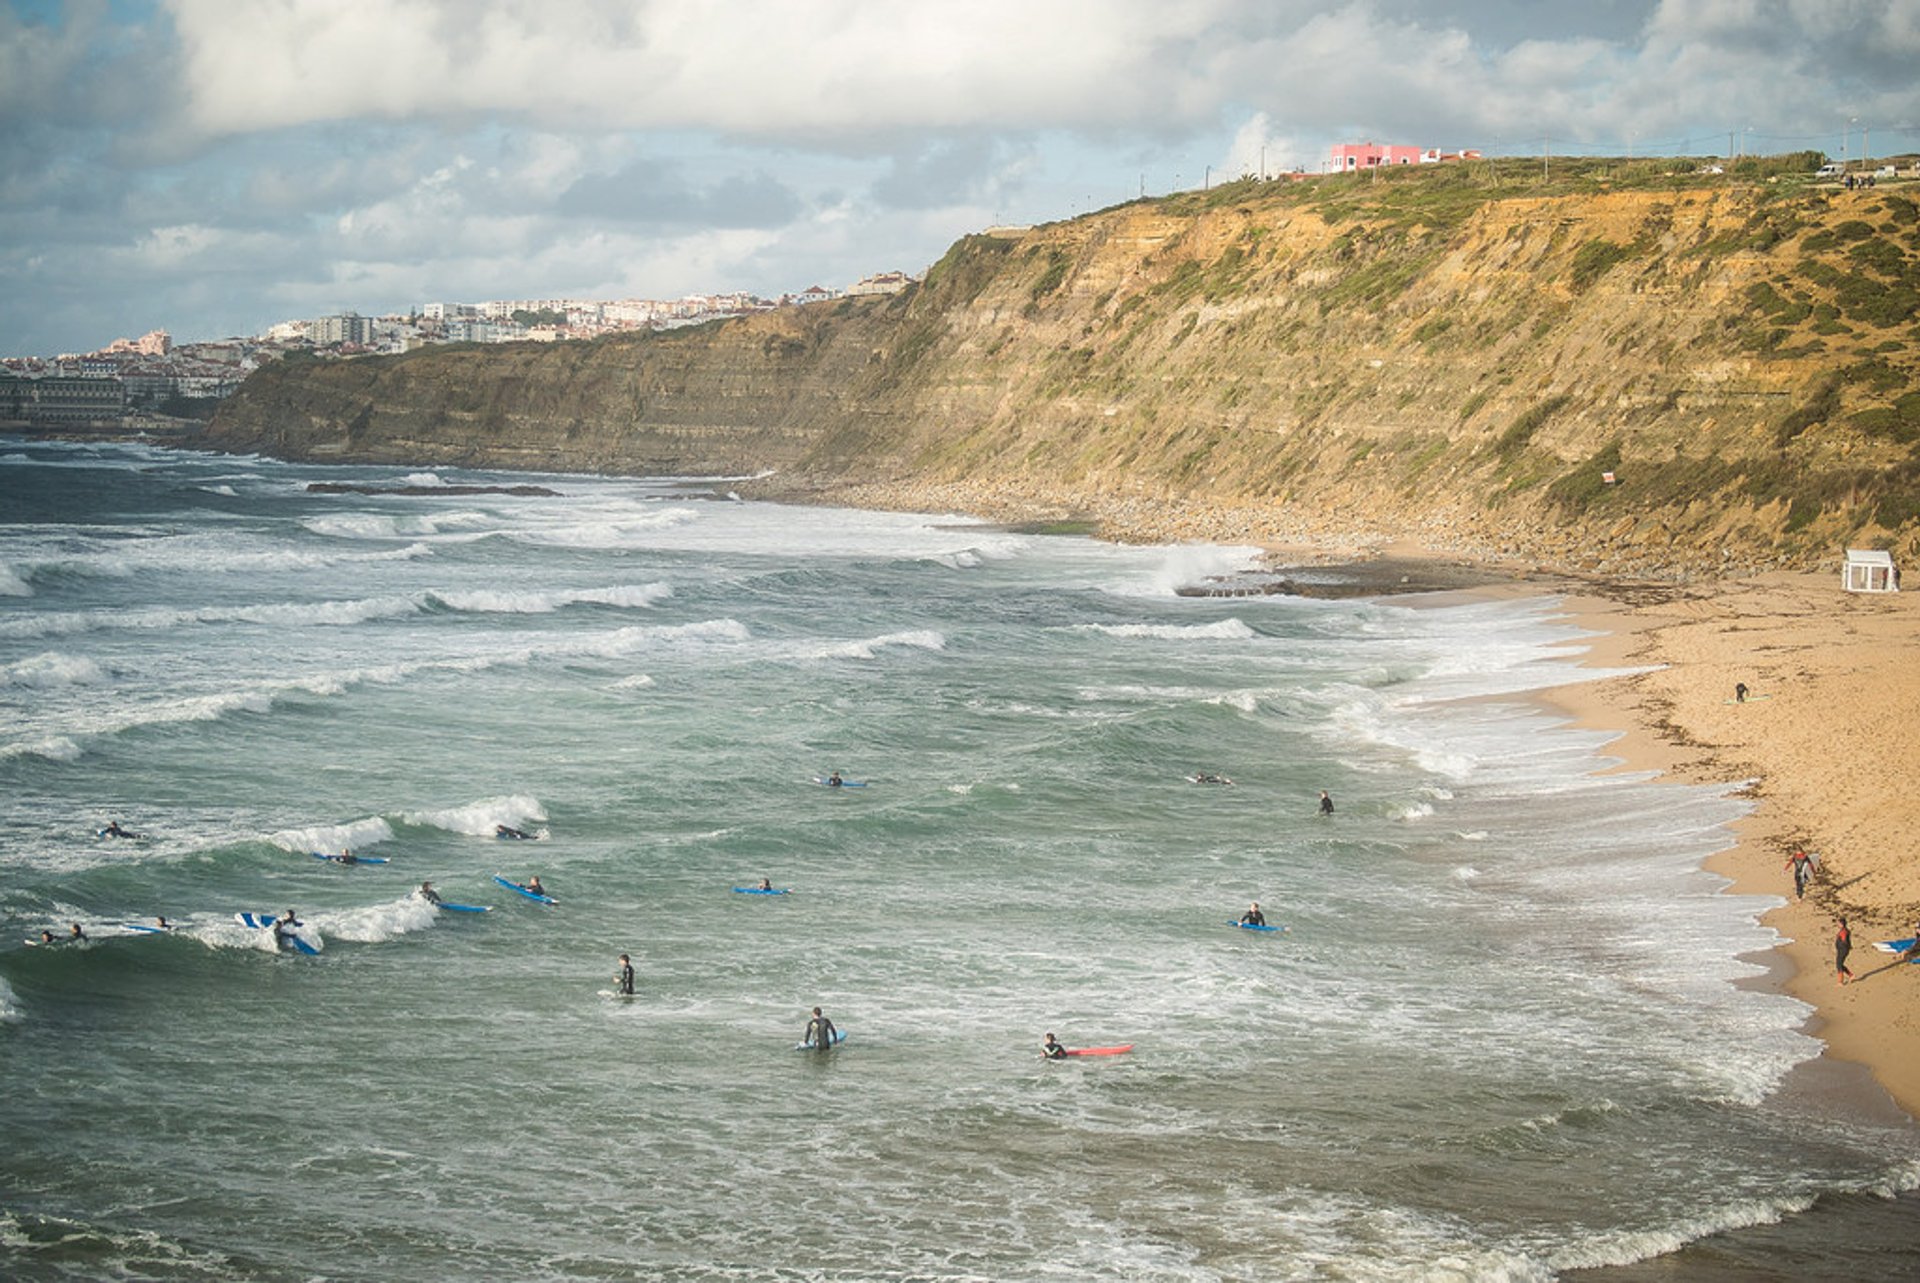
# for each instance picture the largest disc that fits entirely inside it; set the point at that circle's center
(1441, 354)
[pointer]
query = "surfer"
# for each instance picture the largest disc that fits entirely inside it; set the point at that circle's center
(1052, 1050)
(533, 885)
(1739, 692)
(76, 936)
(1802, 865)
(46, 937)
(1253, 917)
(162, 924)
(1326, 803)
(113, 830)
(284, 928)
(624, 977)
(1913, 950)
(766, 884)
(508, 831)
(1842, 946)
(820, 1032)
(834, 781)
(1208, 777)
(346, 856)
(427, 893)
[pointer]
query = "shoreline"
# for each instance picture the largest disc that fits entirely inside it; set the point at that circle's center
(1822, 748)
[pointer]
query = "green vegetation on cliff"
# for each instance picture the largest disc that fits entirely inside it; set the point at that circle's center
(1456, 353)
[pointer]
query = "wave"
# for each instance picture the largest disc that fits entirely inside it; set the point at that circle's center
(200, 554)
(376, 922)
(496, 601)
(10, 1008)
(1222, 630)
(55, 748)
(333, 837)
(52, 669)
(11, 584)
(479, 819)
(633, 682)
(922, 638)
(333, 614)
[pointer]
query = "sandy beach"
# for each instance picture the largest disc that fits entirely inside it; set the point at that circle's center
(1826, 744)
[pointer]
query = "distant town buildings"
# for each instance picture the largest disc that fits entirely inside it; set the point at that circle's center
(150, 376)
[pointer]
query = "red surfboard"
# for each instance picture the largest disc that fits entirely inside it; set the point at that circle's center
(1100, 1051)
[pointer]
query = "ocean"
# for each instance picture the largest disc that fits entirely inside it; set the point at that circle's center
(1511, 1028)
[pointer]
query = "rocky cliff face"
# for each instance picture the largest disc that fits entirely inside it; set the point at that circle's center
(1424, 356)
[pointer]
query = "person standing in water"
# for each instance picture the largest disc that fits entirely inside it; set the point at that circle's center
(820, 1032)
(1326, 803)
(1253, 917)
(1842, 946)
(623, 978)
(1052, 1050)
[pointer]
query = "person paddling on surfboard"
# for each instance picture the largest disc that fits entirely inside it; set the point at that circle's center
(1253, 917)
(508, 831)
(766, 884)
(1051, 1049)
(820, 1032)
(623, 978)
(427, 893)
(834, 781)
(533, 885)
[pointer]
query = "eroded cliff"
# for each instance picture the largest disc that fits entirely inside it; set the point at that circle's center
(1424, 355)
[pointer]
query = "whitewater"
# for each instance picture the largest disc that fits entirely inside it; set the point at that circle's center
(1511, 1030)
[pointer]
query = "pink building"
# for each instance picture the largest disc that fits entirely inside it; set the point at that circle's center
(1370, 155)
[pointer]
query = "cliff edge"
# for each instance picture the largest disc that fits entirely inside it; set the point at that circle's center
(1623, 371)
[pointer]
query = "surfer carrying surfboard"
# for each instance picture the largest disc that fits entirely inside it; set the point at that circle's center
(820, 1032)
(1802, 865)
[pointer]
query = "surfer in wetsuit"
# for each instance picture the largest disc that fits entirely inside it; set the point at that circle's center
(427, 893)
(766, 884)
(820, 1032)
(113, 830)
(1052, 1050)
(1802, 865)
(508, 831)
(1739, 692)
(623, 978)
(1842, 946)
(284, 928)
(346, 856)
(76, 936)
(1253, 917)
(834, 781)
(1326, 803)
(533, 885)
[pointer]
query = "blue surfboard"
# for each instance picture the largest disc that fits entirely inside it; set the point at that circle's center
(265, 921)
(511, 885)
(146, 927)
(1895, 946)
(1252, 926)
(451, 907)
(839, 1036)
(358, 859)
(843, 784)
(760, 890)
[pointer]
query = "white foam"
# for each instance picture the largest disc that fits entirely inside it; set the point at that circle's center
(11, 584)
(55, 748)
(924, 639)
(633, 682)
(422, 479)
(10, 1008)
(1413, 811)
(634, 596)
(376, 922)
(332, 838)
(480, 819)
(1221, 630)
(51, 669)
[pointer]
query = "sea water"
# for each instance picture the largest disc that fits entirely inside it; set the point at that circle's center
(1504, 1033)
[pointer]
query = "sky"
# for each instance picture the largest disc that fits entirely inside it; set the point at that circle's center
(211, 167)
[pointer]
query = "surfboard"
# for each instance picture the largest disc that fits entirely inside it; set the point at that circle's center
(843, 784)
(1748, 700)
(1121, 1050)
(358, 859)
(839, 1036)
(1895, 946)
(761, 890)
(123, 833)
(451, 907)
(146, 928)
(519, 835)
(511, 885)
(265, 921)
(615, 993)
(1208, 779)
(1252, 926)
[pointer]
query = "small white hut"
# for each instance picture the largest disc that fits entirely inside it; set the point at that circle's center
(1870, 570)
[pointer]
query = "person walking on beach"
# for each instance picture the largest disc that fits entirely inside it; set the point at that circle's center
(1326, 803)
(1802, 865)
(1739, 692)
(1842, 946)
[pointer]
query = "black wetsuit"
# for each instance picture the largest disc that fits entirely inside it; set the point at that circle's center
(1842, 946)
(820, 1033)
(1053, 1051)
(626, 978)
(1326, 805)
(1254, 918)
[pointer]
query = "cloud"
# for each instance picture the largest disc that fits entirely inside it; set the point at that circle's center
(654, 192)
